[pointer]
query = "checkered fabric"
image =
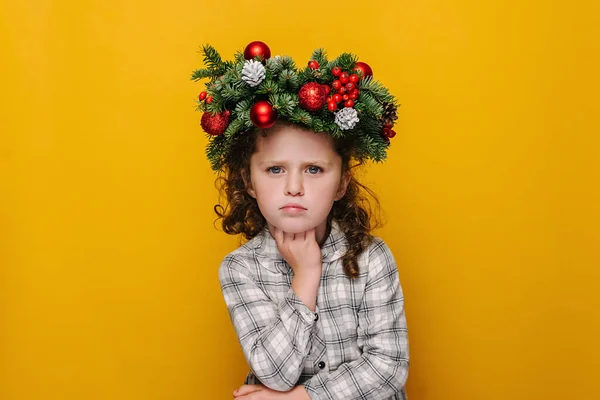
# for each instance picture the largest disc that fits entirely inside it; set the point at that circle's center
(355, 344)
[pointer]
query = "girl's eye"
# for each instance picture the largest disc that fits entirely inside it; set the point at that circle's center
(314, 169)
(274, 170)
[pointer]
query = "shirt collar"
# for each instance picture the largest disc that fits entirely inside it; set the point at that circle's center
(266, 251)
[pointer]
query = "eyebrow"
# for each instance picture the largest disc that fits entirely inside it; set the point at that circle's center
(281, 162)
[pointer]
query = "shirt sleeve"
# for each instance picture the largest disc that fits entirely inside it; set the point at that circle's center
(275, 336)
(382, 369)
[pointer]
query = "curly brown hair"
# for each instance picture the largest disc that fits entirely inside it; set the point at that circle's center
(355, 214)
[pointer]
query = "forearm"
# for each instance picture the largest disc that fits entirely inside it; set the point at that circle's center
(277, 351)
(274, 334)
(306, 286)
(368, 378)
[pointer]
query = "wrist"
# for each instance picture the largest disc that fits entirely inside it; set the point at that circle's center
(306, 288)
(309, 269)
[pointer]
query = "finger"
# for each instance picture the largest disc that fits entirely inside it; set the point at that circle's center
(287, 237)
(310, 235)
(245, 389)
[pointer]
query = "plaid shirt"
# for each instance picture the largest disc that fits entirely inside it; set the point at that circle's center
(355, 344)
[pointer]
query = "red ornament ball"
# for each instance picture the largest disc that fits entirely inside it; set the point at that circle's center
(312, 96)
(263, 115)
(363, 68)
(215, 124)
(257, 49)
(331, 105)
(202, 96)
(336, 71)
(312, 64)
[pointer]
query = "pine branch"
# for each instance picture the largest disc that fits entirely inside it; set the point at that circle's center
(367, 104)
(376, 89)
(234, 127)
(284, 102)
(231, 93)
(201, 74)
(301, 116)
(243, 106)
(287, 63)
(346, 61)
(335, 130)
(214, 151)
(289, 79)
(318, 125)
(212, 59)
(320, 56)
(274, 66)
(268, 87)
(239, 57)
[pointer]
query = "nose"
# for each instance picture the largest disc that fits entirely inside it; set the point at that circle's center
(294, 186)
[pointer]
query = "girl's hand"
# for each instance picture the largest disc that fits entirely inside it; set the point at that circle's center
(300, 250)
(260, 392)
(303, 253)
(257, 392)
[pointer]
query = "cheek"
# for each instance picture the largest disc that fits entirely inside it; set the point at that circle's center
(328, 187)
(265, 190)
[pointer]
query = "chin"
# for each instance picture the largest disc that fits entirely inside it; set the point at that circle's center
(293, 226)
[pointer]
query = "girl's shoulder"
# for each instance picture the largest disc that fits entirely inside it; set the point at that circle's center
(245, 250)
(377, 258)
(251, 255)
(378, 246)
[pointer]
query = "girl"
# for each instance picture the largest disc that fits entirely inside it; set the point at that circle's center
(315, 299)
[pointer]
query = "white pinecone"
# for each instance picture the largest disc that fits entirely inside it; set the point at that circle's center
(346, 118)
(253, 72)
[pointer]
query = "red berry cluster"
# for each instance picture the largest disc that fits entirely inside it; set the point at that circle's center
(346, 89)
(387, 133)
(202, 97)
(312, 64)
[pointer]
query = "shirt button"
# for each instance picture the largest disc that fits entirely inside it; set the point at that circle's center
(316, 317)
(321, 364)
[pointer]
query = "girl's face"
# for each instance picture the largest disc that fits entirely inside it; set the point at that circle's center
(295, 177)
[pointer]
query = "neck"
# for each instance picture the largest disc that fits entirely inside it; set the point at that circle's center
(321, 233)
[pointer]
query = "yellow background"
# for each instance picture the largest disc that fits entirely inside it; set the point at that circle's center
(108, 256)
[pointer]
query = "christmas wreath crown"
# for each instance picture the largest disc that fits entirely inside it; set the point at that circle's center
(254, 90)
